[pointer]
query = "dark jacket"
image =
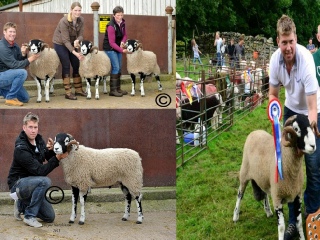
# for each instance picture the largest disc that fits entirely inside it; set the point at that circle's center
(65, 33)
(28, 159)
(114, 35)
(11, 57)
(231, 51)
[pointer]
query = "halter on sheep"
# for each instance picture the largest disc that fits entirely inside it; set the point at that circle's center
(86, 167)
(258, 165)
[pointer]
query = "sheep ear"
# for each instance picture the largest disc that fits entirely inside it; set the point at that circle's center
(70, 145)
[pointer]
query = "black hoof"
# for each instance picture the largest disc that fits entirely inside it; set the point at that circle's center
(81, 223)
(138, 222)
(124, 219)
(71, 221)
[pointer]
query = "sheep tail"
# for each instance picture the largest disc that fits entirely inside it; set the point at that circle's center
(257, 191)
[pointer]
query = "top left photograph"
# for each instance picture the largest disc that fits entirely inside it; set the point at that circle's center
(87, 55)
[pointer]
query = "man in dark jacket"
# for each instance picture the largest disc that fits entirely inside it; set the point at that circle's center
(13, 60)
(27, 176)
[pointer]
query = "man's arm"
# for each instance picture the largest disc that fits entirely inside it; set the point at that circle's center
(273, 92)
(312, 108)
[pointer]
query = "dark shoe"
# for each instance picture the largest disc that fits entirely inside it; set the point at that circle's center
(291, 232)
(70, 96)
(115, 93)
(123, 92)
(114, 85)
(82, 94)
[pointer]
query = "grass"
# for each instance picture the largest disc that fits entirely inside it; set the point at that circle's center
(207, 188)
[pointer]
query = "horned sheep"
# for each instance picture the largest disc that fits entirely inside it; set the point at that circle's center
(258, 165)
(86, 167)
(96, 64)
(43, 68)
(141, 62)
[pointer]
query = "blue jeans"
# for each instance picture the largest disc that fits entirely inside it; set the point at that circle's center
(116, 61)
(31, 192)
(195, 59)
(218, 59)
(312, 192)
(11, 84)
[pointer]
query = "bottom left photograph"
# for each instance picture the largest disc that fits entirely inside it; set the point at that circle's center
(87, 174)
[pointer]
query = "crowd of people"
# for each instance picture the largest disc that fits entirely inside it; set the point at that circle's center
(66, 37)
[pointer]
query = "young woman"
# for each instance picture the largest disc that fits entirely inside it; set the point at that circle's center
(66, 39)
(196, 51)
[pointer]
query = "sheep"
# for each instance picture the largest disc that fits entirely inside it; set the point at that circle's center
(44, 68)
(258, 165)
(86, 167)
(96, 64)
(141, 62)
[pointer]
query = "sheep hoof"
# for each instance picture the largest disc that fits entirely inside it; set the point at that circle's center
(124, 219)
(81, 223)
(97, 98)
(71, 221)
(88, 98)
(138, 222)
(47, 101)
(132, 94)
(142, 95)
(38, 101)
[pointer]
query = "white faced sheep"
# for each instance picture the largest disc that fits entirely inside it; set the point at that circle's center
(44, 68)
(143, 63)
(259, 164)
(96, 64)
(86, 167)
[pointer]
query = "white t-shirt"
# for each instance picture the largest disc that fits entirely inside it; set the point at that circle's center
(219, 42)
(300, 83)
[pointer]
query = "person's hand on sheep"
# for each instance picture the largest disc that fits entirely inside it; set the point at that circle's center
(76, 43)
(24, 49)
(33, 57)
(62, 156)
(122, 45)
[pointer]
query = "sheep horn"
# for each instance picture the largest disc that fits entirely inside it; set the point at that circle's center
(73, 141)
(290, 120)
(44, 45)
(285, 140)
(315, 128)
(139, 45)
(94, 48)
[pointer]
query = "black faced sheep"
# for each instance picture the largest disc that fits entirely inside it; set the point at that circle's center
(44, 68)
(96, 64)
(86, 167)
(141, 62)
(259, 164)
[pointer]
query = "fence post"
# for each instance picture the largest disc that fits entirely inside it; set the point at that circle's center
(95, 8)
(169, 11)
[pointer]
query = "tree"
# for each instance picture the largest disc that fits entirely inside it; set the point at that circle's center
(249, 17)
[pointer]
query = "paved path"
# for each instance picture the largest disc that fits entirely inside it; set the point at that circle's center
(58, 101)
(103, 222)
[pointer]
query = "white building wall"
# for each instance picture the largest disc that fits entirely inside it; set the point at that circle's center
(131, 7)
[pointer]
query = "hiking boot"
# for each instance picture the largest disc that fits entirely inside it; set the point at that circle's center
(291, 232)
(13, 102)
(16, 212)
(70, 96)
(32, 222)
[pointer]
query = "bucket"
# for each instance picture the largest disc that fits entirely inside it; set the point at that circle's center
(191, 139)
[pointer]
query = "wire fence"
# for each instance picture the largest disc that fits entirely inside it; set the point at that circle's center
(237, 92)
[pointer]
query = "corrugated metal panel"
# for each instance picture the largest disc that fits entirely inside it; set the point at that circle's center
(136, 7)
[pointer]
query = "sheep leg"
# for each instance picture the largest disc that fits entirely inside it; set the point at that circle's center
(266, 205)
(51, 86)
(97, 87)
(142, 77)
(159, 83)
(38, 82)
(281, 225)
(297, 212)
(139, 208)
(133, 81)
(83, 198)
(105, 91)
(128, 202)
(88, 90)
(75, 196)
(241, 191)
(46, 88)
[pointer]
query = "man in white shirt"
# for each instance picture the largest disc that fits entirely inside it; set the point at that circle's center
(292, 66)
(218, 43)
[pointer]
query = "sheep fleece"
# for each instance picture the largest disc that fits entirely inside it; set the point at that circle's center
(142, 61)
(95, 65)
(260, 165)
(88, 167)
(46, 64)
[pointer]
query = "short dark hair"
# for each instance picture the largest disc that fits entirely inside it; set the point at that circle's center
(117, 9)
